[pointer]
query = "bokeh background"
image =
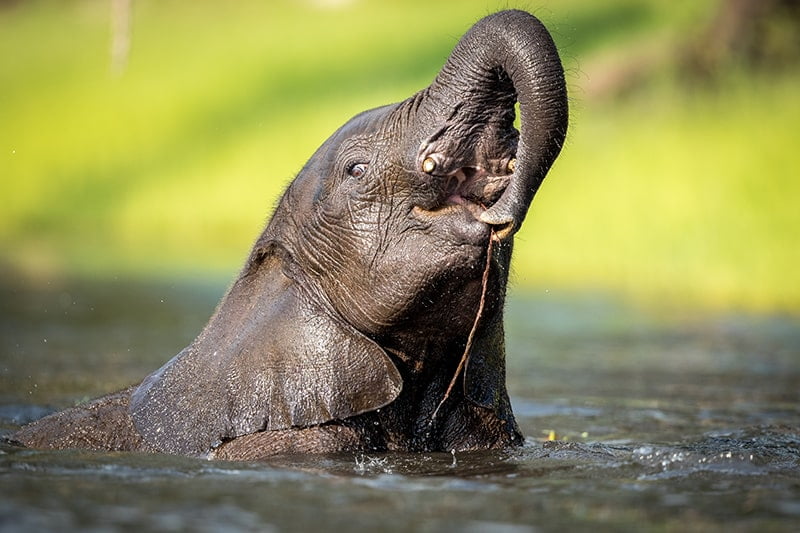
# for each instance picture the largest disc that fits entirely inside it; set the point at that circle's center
(150, 139)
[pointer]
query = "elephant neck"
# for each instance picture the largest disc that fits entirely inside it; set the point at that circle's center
(426, 416)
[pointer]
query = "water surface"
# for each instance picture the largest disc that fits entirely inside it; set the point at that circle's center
(662, 423)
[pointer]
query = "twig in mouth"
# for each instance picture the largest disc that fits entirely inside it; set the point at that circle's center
(471, 337)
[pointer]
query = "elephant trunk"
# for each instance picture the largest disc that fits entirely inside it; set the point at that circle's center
(508, 57)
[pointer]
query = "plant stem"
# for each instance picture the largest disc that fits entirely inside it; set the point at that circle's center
(471, 337)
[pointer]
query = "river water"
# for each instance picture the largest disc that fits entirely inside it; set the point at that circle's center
(661, 422)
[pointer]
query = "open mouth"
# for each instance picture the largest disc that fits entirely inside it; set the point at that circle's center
(468, 189)
(463, 195)
(470, 186)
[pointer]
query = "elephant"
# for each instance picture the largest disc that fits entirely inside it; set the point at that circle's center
(368, 316)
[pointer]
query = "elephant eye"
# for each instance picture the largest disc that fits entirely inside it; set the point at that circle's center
(357, 170)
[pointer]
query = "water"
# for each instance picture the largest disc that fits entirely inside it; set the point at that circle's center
(663, 423)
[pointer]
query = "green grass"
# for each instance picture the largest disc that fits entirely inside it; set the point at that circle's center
(684, 203)
(173, 167)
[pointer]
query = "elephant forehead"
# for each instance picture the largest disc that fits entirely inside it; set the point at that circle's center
(365, 123)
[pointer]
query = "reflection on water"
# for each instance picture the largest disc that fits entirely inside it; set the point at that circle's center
(664, 423)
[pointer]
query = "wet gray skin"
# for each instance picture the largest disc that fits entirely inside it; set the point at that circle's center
(356, 307)
(671, 423)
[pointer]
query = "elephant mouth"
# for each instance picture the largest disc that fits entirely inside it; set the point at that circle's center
(475, 187)
(466, 191)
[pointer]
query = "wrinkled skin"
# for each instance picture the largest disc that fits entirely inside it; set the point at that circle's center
(349, 319)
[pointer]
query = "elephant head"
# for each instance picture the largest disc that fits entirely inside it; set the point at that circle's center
(359, 295)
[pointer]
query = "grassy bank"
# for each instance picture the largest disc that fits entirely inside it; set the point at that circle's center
(172, 167)
(693, 202)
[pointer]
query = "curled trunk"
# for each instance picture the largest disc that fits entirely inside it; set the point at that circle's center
(508, 57)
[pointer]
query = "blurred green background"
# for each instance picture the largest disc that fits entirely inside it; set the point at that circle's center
(163, 155)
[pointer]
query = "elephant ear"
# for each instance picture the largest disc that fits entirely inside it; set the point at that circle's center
(485, 375)
(269, 358)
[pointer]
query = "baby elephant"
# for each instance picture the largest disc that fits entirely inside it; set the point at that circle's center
(369, 314)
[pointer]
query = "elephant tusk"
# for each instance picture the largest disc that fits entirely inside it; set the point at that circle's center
(429, 165)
